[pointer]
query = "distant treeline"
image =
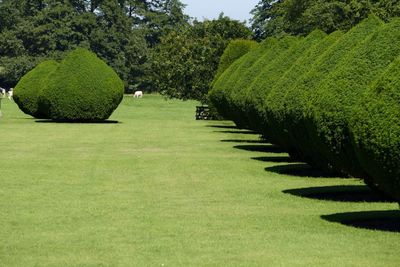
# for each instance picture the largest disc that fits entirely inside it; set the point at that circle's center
(152, 44)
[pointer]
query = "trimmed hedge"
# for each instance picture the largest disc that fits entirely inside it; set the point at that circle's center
(83, 88)
(275, 106)
(297, 98)
(235, 50)
(331, 105)
(253, 99)
(26, 92)
(249, 67)
(248, 71)
(375, 131)
(221, 94)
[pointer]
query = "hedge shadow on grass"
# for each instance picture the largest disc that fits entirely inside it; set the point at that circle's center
(223, 126)
(261, 148)
(299, 169)
(388, 221)
(340, 193)
(277, 159)
(80, 122)
(238, 132)
(244, 141)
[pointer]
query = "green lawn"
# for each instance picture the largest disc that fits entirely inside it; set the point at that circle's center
(161, 189)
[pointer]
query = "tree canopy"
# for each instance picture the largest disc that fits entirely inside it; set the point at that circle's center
(186, 60)
(300, 17)
(120, 32)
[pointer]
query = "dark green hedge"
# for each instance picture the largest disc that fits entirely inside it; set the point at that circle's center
(275, 105)
(297, 98)
(230, 81)
(83, 88)
(375, 131)
(247, 73)
(234, 50)
(253, 99)
(331, 105)
(26, 92)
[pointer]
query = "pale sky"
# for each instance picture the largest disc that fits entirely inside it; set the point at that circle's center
(210, 9)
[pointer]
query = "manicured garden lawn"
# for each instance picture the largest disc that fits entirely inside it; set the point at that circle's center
(161, 189)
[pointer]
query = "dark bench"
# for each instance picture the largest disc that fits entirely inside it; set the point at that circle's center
(203, 113)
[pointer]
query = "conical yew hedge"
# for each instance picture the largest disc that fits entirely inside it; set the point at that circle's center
(26, 93)
(83, 88)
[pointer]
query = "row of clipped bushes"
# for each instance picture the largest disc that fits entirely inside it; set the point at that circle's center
(330, 100)
(79, 88)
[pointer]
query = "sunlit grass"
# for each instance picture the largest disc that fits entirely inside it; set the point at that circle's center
(159, 188)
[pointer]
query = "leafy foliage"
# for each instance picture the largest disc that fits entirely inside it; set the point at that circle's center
(297, 98)
(275, 105)
(120, 32)
(28, 89)
(300, 17)
(225, 95)
(83, 88)
(185, 62)
(270, 75)
(375, 128)
(16, 67)
(331, 105)
(234, 50)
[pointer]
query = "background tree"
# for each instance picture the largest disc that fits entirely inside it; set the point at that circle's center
(185, 62)
(121, 32)
(300, 17)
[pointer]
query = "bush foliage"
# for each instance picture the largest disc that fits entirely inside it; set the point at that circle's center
(28, 89)
(246, 74)
(238, 77)
(254, 97)
(297, 98)
(332, 100)
(332, 103)
(275, 106)
(234, 50)
(83, 88)
(375, 128)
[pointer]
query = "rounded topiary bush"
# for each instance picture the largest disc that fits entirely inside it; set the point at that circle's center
(83, 88)
(332, 104)
(297, 98)
(26, 92)
(375, 131)
(234, 50)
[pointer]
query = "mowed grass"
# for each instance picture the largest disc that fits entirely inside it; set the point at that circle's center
(161, 189)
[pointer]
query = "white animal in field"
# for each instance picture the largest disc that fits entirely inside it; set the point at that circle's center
(138, 94)
(2, 92)
(10, 93)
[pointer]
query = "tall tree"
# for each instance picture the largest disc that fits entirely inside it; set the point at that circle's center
(185, 61)
(300, 17)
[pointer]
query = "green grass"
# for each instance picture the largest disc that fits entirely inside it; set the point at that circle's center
(161, 189)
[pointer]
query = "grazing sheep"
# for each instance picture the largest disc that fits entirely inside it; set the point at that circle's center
(10, 93)
(138, 94)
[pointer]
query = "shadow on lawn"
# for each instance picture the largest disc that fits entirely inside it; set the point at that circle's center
(238, 132)
(79, 122)
(275, 159)
(223, 126)
(373, 220)
(245, 141)
(261, 148)
(343, 193)
(299, 169)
